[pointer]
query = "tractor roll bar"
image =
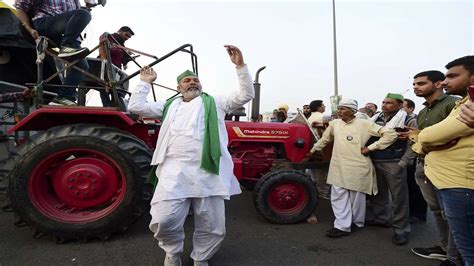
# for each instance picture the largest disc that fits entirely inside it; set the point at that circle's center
(182, 48)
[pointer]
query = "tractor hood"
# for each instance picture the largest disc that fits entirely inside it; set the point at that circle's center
(296, 138)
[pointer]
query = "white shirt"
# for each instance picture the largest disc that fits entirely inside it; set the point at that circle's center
(316, 117)
(178, 152)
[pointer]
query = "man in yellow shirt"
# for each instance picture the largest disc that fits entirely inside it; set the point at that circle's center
(467, 113)
(449, 161)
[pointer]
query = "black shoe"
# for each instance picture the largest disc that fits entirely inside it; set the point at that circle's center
(416, 220)
(61, 101)
(377, 223)
(355, 228)
(400, 239)
(447, 263)
(435, 252)
(67, 52)
(334, 232)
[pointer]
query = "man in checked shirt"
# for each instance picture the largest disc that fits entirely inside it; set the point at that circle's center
(62, 21)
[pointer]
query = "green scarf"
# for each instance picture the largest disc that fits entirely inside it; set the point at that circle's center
(211, 150)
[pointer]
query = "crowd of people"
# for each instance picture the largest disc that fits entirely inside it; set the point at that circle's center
(388, 167)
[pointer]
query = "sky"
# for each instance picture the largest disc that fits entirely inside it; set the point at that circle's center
(381, 45)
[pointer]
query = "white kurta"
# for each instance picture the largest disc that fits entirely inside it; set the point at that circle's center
(349, 168)
(178, 151)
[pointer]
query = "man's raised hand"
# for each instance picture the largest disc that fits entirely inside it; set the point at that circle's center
(147, 74)
(235, 55)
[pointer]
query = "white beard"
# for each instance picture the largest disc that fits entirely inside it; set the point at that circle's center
(191, 94)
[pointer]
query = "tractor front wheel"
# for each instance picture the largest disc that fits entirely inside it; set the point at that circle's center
(285, 196)
(80, 181)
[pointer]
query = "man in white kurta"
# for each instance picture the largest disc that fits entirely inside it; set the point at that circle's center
(351, 172)
(181, 180)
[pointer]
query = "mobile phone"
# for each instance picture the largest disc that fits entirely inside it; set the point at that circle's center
(470, 90)
(399, 129)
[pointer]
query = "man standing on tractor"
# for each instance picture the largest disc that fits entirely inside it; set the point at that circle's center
(194, 166)
(351, 172)
(119, 58)
(62, 22)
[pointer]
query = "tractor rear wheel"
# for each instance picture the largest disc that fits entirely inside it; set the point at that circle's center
(285, 196)
(4, 200)
(6, 151)
(80, 181)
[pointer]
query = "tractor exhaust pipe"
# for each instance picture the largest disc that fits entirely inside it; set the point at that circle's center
(256, 99)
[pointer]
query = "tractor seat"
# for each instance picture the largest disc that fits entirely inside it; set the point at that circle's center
(236, 114)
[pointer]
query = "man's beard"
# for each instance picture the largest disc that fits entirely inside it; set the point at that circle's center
(427, 94)
(191, 94)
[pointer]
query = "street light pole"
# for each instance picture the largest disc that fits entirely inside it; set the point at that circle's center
(336, 90)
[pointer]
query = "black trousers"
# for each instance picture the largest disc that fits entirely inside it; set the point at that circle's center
(418, 206)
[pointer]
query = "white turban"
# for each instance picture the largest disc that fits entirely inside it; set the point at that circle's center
(349, 103)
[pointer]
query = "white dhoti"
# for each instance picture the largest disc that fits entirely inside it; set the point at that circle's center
(348, 207)
(168, 218)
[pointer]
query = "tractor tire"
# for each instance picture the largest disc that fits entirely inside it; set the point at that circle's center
(4, 200)
(285, 196)
(5, 168)
(80, 182)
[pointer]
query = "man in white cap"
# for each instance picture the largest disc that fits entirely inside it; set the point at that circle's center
(194, 167)
(351, 173)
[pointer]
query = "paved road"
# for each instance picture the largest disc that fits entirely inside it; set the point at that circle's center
(250, 241)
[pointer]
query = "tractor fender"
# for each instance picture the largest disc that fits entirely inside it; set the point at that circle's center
(47, 117)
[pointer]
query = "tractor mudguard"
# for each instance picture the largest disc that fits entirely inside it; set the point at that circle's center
(48, 117)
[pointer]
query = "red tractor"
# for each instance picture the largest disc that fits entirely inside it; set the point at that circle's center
(79, 172)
